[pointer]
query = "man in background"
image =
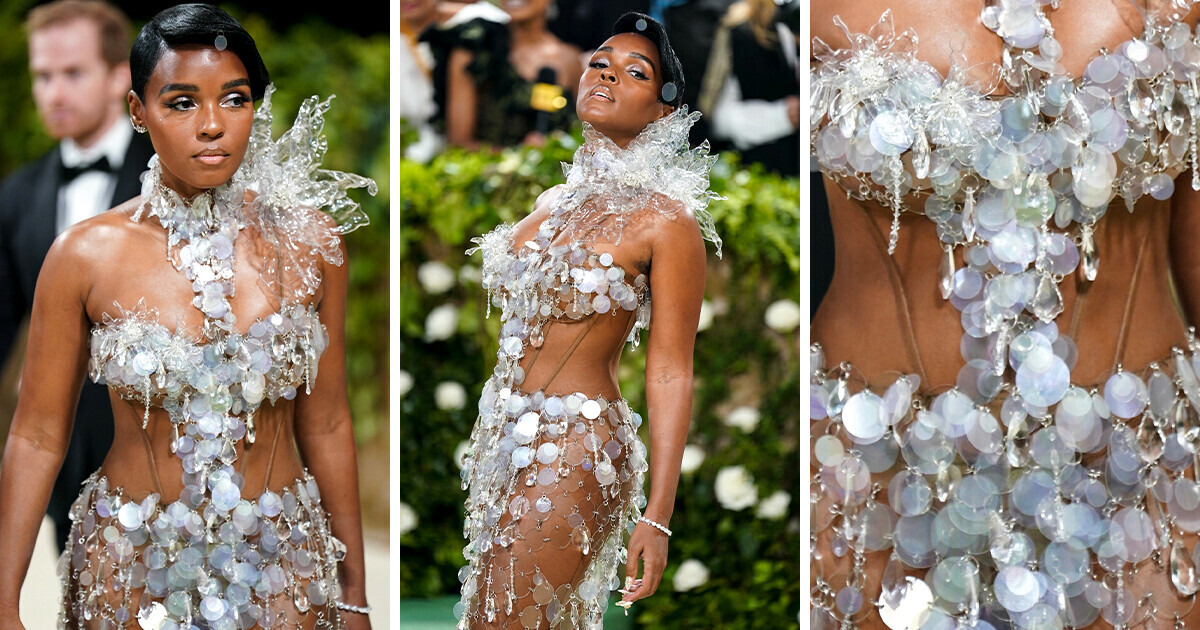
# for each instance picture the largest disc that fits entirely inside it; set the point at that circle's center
(79, 62)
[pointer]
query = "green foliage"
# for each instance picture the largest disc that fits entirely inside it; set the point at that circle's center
(753, 561)
(306, 59)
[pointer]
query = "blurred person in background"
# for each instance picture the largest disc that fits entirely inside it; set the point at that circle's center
(694, 24)
(752, 87)
(415, 67)
(79, 62)
(508, 86)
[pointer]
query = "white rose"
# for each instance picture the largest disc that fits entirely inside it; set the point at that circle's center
(435, 276)
(460, 453)
(693, 456)
(450, 395)
(408, 518)
(441, 323)
(735, 488)
(404, 382)
(706, 316)
(783, 316)
(744, 418)
(469, 274)
(775, 506)
(690, 574)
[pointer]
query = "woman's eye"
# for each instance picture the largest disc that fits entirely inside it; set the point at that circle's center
(236, 100)
(597, 64)
(638, 73)
(182, 104)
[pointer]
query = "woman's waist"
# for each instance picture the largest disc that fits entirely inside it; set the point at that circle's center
(226, 492)
(501, 398)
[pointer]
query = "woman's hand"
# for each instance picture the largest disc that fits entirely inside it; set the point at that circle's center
(648, 545)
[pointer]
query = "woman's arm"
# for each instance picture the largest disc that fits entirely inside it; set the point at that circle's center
(1185, 256)
(55, 363)
(462, 100)
(325, 437)
(677, 270)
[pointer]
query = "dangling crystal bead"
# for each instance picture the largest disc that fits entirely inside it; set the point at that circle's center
(943, 484)
(946, 273)
(893, 584)
(841, 393)
(1187, 428)
(1149, 440)
(1000, 351)
(250, 432)
(822, 619)
(1047, 301)
(895, 174)
(1014, 449)
(920, 155)
(1183, 570)
(968, 214)
(1089, 261)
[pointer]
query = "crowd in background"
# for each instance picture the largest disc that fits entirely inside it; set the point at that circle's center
(504, 73)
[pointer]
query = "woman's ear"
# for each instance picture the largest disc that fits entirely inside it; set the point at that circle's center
(137, 111)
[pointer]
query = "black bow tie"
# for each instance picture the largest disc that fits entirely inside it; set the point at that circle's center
(69, 173)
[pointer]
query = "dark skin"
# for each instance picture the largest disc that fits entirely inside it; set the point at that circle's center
(1128, 312)
(619, 96)
(198, 111)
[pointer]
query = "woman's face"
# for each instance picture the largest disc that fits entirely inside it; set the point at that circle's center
(198, 111)
(618, 92)
(525, 10)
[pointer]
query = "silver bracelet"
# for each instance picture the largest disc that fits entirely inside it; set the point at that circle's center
(362, 610)
(658, 526)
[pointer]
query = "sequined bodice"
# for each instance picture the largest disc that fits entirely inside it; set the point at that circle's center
(540, 282)
(146, 362)
(1055, 151)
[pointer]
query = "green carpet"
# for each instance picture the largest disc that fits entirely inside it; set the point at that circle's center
(438, 614)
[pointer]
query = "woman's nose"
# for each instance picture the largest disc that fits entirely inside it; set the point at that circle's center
(607, 74)
(210, 123)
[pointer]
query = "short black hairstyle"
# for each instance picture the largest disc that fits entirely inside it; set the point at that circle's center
(194, 24)
(653, 30)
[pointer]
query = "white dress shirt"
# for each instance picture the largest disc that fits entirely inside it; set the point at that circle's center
(91, 193)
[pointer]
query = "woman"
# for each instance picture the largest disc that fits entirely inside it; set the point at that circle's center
(555, 466)
(1033, 469)
(203, 514)
(494, 79)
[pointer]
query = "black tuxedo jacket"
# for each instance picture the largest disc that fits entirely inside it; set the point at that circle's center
(28, 223)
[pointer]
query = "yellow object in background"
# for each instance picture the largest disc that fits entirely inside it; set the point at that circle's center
(547, 97)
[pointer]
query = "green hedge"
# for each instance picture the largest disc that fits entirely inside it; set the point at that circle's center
(753, 562)
(308, 58)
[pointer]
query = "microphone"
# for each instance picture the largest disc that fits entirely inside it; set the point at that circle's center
(546, 98)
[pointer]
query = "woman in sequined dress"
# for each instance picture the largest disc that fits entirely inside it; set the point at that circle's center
(206, 512)
(555, 467)
(884, 317)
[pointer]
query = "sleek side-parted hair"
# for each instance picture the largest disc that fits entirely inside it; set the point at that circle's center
(194, 24)
(653, 30)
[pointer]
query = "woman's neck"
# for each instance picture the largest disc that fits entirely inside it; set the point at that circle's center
(529, 32)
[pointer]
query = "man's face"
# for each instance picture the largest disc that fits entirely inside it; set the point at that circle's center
(74, 88)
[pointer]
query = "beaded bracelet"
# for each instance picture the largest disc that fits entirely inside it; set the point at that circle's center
(362, 610)
(659, 527)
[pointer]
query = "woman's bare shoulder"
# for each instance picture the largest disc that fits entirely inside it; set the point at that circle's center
(105, 237)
